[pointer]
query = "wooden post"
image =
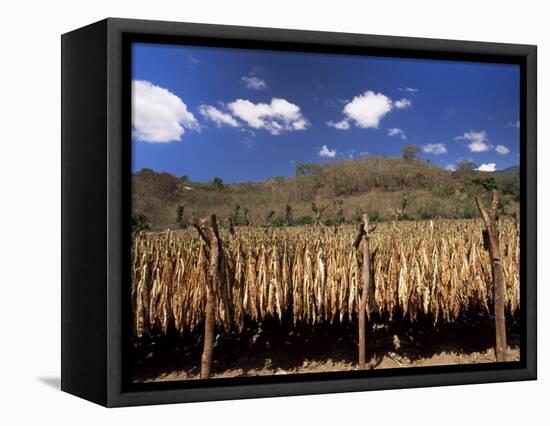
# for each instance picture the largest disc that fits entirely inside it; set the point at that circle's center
(206, 358)
(362, 244)
(211, 237)
(492, 244)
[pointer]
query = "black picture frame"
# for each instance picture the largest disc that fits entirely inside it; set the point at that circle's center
(96, 181)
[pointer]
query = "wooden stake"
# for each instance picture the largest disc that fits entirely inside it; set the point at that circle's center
(491, 239)
(211, 238)
(208, 348)
(368, 283)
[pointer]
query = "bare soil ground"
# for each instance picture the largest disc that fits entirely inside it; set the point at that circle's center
(274, 349)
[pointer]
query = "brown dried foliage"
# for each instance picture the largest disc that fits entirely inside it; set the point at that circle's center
(437, 268)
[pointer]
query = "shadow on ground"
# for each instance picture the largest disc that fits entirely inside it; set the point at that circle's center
(276, 347)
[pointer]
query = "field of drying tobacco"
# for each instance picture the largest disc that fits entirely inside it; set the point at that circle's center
(305, 276)
(312, 274)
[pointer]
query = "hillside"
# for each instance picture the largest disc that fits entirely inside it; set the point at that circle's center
(341, 190)
(508, 172)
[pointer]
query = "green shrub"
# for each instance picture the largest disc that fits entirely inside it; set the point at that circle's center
(405, 216)
(429, 210)
(510, 186)
(279, 222)
(469, 211)
(488, 183)
(140, 222)
(375, 217)
(179, 218)
(305, 220)
(444, 189)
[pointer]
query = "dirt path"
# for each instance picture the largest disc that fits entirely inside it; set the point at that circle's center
(390, 361)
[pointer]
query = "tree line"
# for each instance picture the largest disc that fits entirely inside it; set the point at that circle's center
(402, 188)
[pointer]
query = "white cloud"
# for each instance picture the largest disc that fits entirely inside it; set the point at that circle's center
(276, 117)
(489, 167)
(340, 125)
(502, 150)
(368, 109)
(394, 131)
(403, 103)
(254, 82)
(348, 153)
(451, 167)
(408, 89)
(158, 115)
(326, 152)
(219, 117)
(193, 60)
(434, 148)
(515, 125)
(300, 124)
(479, 142)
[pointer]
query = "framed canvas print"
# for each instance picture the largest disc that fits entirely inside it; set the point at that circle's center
(252, 212)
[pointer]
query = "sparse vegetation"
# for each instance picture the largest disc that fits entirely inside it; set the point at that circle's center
(379, 183)
(409, 153)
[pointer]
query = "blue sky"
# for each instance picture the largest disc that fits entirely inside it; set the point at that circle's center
(247, 115)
